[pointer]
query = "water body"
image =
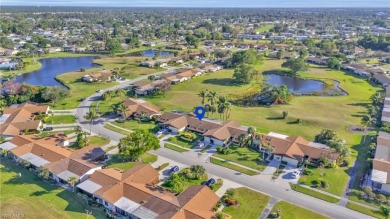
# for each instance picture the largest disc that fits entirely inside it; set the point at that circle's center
(153, 53)
(299, 85)
(52, 67)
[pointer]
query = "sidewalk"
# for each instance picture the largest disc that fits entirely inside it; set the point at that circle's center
(268, 208)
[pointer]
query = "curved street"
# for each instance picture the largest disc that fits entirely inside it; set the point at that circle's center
(253, 182)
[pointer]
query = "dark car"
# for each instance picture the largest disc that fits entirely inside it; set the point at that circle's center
(47, 129)
(174, 169)
(210, 182)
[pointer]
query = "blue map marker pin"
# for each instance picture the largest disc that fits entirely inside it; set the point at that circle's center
(199, 112)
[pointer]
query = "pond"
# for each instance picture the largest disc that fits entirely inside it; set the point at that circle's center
(302, 86)
(152, 53)
(52, 67)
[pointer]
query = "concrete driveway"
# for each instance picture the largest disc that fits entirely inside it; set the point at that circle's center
(287, 175)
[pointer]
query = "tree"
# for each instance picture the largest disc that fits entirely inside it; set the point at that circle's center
(203, 94)
(334, 63)
(296, 65)
(368, 121)
(192, 40)
(241, 140)
(44, 172)
(54, 93)
(212, 97)
(121, 108)
(245, 57)
(279, 54)
(198, 171)
(81, 137)
(113, 45)
(175, 183)
(244, 73)
(72, 181)
(326, 136)
(91, 116)
(137, 143)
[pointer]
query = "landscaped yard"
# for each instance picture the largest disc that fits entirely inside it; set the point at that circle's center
(62, 119)
(95, 140)
(365, 210)
(290, 211)
(186, 144)
(251, 204)
(132, 124)
(30, 196)
(186, 181)
(117, 162)
(244, 156)
(232, 166)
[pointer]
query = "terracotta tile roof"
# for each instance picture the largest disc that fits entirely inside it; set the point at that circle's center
(138, 106)
(297, 147)
(21, 118)
(381, 160)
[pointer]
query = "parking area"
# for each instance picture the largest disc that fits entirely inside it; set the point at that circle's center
(289, 174)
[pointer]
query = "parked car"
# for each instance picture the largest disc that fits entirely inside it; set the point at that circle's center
(200, 145)
(174, 169)
(99, 91)
(47, 129)
(161, 131)
(210, 182)
(295, 174)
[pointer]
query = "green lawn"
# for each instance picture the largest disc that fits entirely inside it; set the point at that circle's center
(98, 140)
(175, 148)
(244, 156)
(30, 196)
(115, 129)
(251, 203)
(313, 193)
(62, 119)
(264, 28)
(365, 210)
(290, 211)
(232, 166)
(66, 132)
(117, 162)
(132, 124)
(186, 144)
(105, 106)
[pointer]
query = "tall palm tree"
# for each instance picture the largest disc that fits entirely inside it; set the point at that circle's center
(368, 121)
(91, 116)
(119, 92)
(121, 108)
(72, 181)
(203, 95)
(212, 97)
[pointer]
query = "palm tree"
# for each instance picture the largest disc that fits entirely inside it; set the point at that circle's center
(203, 95)
(241, 140)
(91, 116)
(212, 97)
(377, 98)
(72, 181)
(119, 92)
(121, 108)
(213, 109)
(368, 121)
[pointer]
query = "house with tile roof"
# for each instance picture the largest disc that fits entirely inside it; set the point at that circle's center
(213, 131)
(52, 153)
(139, 108)
(380, 175)
(17, 119)
(294, 149)
(133, 194)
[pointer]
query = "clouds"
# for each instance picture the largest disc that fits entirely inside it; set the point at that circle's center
(203, 3)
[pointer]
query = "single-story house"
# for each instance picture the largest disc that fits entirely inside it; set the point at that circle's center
(176, 47)
(103, 75)
(139, 108)
(317, 61)
(380, 175)
(382, 79)
(19, 118)
(152, 63)
(147, 88)
(293, 149)
(132, 194)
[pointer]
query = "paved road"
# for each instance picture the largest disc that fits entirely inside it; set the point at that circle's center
(253, 182)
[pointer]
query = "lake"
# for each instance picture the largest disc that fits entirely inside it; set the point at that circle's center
(300, 86)
(152, 53)
(52, 67)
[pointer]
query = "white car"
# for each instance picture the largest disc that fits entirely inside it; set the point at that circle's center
(295, 174)
(201, 145)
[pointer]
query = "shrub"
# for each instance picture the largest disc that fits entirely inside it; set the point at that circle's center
(345, 163)
(162, 166)
(183, 138)
(380, 198)
(307, 171)
(230, 192)
(219, 149)
(324, 184)
(230, 201)
(315, 182)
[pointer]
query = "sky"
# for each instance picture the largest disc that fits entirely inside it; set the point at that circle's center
(206, 3)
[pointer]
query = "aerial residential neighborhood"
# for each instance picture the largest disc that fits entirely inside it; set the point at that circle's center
(183, 110)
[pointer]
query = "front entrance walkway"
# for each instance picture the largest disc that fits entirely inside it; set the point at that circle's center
(271, 168)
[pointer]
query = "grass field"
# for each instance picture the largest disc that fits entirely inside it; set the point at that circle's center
(30, 196)
(313, 193)
(175, 148)
(264, 28)
(62, 119)
(115, 129)
(117, 162)
(132, 124)
(232, 166)
(244, 156)
(364, 210)
(251, 203)
(98, 140)
(186, 144)
(290, 211)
